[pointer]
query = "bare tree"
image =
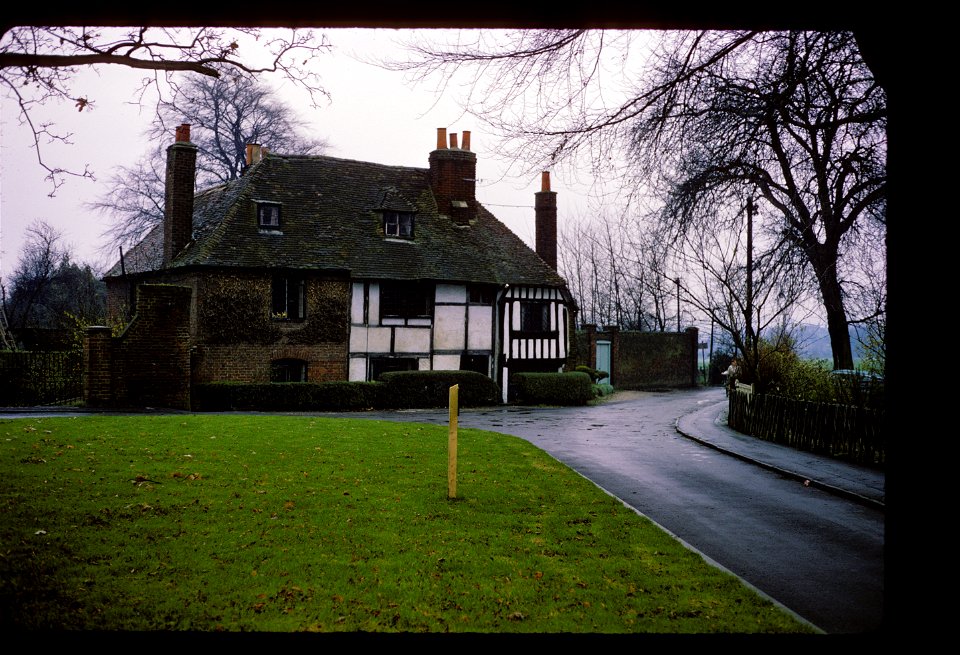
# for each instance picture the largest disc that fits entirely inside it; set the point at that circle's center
(226, 114)
(38, 65)
(748, 298)
(795, 118)
(615, 272)
(47, 285)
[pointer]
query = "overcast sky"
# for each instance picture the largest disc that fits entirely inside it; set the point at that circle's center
(373, 116)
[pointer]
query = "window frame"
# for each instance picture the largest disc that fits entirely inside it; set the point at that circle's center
(535, 318)
(281, 311)
(481, 295)
(288, 365)
(403, 222)
(262, 206)
(381, 365)
(408, 297)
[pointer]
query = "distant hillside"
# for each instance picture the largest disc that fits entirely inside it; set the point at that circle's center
(813, 341)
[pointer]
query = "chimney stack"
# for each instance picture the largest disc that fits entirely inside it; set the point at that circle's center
(545, 207)
(453, 173)
(254, 153)
(178, 199)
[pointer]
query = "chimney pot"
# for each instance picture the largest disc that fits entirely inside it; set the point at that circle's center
(441, 138)
(453, 140)
(466, 139)
(183, 132)
(545, 181)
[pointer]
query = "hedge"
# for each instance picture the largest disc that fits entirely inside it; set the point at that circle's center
(409, 389)
(398, 390)
(286, 396)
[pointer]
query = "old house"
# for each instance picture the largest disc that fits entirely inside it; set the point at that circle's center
(319, 268)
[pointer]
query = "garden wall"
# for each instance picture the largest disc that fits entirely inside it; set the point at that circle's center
(148, 365)
(643, 360)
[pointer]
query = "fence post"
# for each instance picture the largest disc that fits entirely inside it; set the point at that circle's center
(452, 443)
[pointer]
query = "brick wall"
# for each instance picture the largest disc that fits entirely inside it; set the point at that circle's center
(236, 340)
(644, 360)
(148, 365)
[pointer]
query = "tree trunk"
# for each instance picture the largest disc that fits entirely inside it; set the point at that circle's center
(837, 325)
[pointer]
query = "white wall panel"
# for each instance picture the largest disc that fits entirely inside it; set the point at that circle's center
(449, 324)
(411, 340)
(446, 362)
(480, 328)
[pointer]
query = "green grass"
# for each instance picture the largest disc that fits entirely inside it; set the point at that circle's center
(292, 523)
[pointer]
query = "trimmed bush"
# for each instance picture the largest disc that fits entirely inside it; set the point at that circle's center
(595, 375)
(574, 388)
(425, 389)
(600, 390)
(287, 396)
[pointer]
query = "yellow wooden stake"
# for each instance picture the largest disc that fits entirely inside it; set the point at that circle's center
(452, 443)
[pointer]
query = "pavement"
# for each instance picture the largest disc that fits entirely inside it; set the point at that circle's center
(708, 426)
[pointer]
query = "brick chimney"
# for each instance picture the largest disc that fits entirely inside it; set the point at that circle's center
(178, 199)
(453, 173)
(545, 206)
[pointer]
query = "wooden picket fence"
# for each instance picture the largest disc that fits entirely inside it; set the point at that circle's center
(855, 434)
(30, 379)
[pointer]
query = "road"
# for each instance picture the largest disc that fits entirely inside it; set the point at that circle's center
(819, 555)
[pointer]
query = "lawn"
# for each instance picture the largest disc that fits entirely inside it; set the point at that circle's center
(298, 523)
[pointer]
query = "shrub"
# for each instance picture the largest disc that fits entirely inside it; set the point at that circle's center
(595, 375)
(600, 390)
(574, 388)
(423, 389)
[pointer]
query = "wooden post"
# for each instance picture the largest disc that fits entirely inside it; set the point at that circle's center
(452, 443)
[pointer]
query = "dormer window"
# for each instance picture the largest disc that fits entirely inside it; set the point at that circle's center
(398, 224)
(268, 215)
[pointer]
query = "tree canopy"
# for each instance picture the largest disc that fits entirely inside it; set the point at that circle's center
(39, 65)
(705, 121)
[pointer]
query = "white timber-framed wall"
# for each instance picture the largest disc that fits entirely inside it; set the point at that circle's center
(460, 327)
(537, 345)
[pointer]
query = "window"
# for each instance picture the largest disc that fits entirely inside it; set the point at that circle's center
(477, 363)
(289, 299)
(535, 317)
(398, 224)
(268, 215)
(288, 370)
(406, 299)
(481, 295)
(381, 365)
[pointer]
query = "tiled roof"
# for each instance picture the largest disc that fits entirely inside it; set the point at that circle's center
(331, 220)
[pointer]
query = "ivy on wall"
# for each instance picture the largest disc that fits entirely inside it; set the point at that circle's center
(235, 309)
(327, 311)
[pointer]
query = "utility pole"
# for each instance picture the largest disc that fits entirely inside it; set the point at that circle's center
(749, 311)
(678, 303)
(710, 365)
